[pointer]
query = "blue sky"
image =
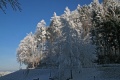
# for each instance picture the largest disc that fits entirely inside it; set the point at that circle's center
(14, 25)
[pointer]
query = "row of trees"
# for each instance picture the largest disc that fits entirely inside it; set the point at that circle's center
(106, 31)
(67, 42)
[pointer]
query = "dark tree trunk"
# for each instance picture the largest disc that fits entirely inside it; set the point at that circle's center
(71, 74)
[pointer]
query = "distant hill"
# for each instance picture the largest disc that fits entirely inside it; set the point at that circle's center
(3, 73)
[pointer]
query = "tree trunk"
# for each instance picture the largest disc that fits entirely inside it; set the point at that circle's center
(71, 74)
(33, 65)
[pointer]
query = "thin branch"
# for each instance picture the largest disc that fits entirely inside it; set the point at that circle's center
(14, 4)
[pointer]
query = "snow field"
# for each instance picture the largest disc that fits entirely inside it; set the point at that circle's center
(98, 73)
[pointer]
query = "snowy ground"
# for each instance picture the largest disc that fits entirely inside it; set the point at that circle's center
(98, 73)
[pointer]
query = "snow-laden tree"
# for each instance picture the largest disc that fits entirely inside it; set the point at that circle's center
(75, 49)
(54, 28)
(53, 38)
(27, 51)
(67, 39)
(41, 31)
(40, 37)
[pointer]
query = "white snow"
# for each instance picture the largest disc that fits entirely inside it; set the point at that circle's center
(111, 72)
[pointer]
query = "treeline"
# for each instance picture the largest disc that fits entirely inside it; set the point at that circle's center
(78, 38)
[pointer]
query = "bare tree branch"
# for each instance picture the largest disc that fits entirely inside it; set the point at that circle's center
(14, 4)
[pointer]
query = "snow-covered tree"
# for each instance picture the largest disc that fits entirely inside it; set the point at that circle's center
(54, 28)
(26, 52)
(72, 44)
(41, 31)
(53, 38)
(40, 34)
(40, 37)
